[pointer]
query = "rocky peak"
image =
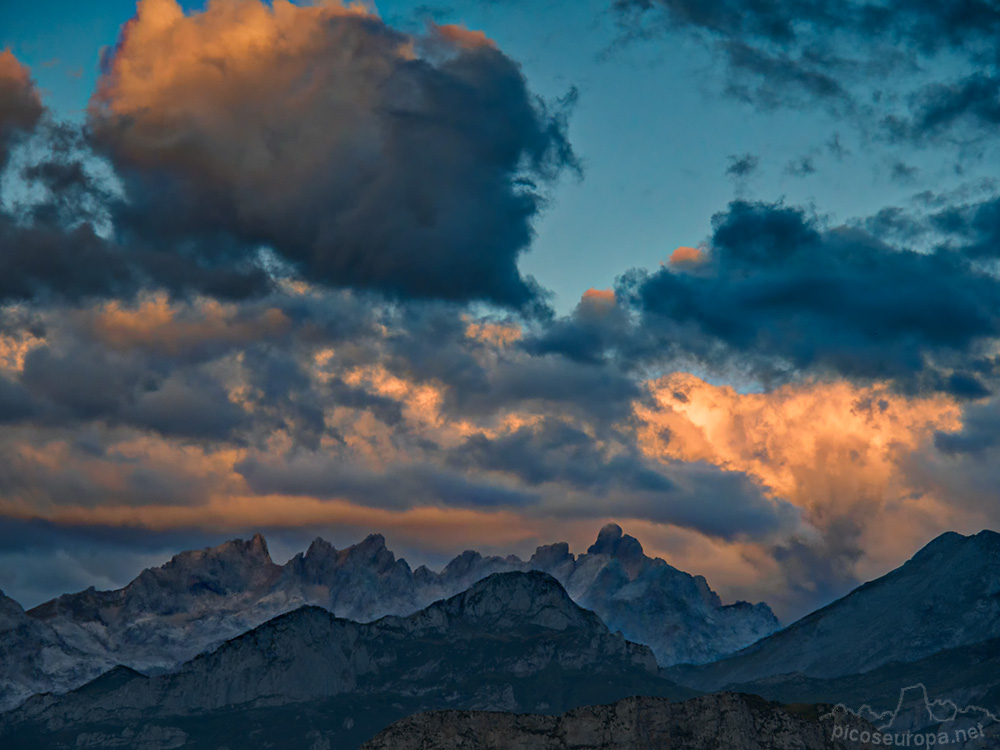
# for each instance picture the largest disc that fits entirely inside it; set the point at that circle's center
(232, 567)
(506, 599)
(462, 564)
(370, 552)
(940, 547)
(613, 542)
(550, 556)
(320, 548)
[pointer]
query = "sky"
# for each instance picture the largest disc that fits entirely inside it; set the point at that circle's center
(489, 275)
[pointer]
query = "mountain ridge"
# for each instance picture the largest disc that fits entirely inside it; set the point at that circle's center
(201, 598)
(513, 641)
(945, 596)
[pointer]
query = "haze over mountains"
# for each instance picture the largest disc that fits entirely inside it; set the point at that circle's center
(201, 598)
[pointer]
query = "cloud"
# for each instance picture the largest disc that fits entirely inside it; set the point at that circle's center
(20, 103)
(364, 157)
(743, 166)
(781, 290)
(686, 256)
(841, 454)
(889, 63)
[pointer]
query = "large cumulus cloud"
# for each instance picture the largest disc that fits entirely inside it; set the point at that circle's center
(362, 156)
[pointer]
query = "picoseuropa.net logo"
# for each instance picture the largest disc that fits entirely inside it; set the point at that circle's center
(916, 722)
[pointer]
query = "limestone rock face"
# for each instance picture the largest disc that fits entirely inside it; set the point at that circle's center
(724, 720)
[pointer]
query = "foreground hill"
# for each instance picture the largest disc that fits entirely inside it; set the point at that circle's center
(512, 642)
(711, 722)
(201, 598)
(945, 597)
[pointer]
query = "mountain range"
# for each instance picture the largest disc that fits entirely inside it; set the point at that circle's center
(201, 598)
(511, 642)
(518, 640)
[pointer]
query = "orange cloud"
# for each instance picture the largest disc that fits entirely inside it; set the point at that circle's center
(838, 451)
(158, 325)
(172, 73)
(599, 296)
(20, 104)
(463, 38)
(686, 256)
(500, 335)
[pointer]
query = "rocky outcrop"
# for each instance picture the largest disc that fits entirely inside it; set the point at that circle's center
(725, 720)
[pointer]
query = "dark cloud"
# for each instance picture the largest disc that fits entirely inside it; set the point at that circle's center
(554, 451)
(903, 173)
(772, 80)
(979, 435)
(587, 336)
(972, 102)
(197, 407)
(410, 175)
(858, 57)
(15, 402)
(76, 383)
(743, 166)
(55, 252)
(399, 487)
(780, 287)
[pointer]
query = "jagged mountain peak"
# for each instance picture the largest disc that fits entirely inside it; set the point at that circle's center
(549, 556)
(249, 551)
(202, 598)
(233, 567)
(370, 552)
(611, 540)
(319, 547)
